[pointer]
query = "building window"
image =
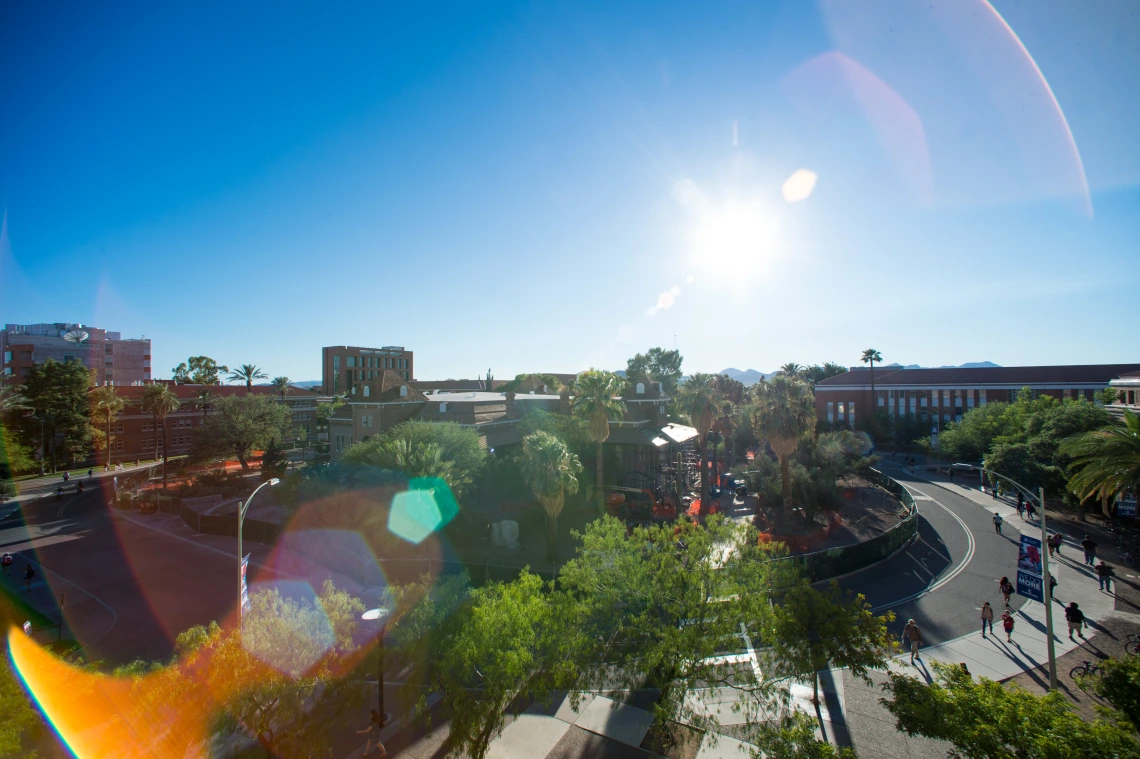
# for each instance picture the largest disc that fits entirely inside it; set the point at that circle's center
(7, 357)
(640, 389)
(351, 362)
(982, 397)
(830, 412)
(367, 390)
(851, 414)
(443, 408)
(840, 415)
(354, 390)
(969, 399)
(403, 391)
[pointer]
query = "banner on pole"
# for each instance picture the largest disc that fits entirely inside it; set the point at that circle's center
(1126, 506)
(245, 604)
(1029, 555)
(1030, 586)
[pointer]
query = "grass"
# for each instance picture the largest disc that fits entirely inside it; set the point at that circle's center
(15, 607)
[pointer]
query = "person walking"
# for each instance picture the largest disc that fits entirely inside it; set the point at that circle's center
(914, 635)
(373, 730)
(987, 617)
(1020, 504)
(29, 575)
(1030, 511)
(1049, 544)
(1090, 550)
(1007, 625)
(997, 523)
(1105, 573)
(1058, 541)
(1006, 588)
(1076, 618)
(66, 476)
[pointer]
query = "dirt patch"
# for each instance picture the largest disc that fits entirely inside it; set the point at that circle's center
(1108, 640)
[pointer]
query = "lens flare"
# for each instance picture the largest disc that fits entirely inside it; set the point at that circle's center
(426, 506)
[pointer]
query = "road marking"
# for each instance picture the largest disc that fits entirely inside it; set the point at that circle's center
(970, 548)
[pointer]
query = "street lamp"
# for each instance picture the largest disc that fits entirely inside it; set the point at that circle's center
(242, 509)
(379, 614)
(1046, 575)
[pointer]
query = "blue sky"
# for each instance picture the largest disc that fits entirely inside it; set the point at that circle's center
(552, 186)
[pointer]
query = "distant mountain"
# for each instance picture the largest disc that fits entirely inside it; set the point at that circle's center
(307, 383)
(748, 376)
(971, 365)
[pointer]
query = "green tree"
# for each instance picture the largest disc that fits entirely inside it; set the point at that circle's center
(274, 461)
(205, 400)
(659, 606)
(988, 720)
(872, 357)
(201, 370)
(793, 737)
(817, 373)
(107, 403)
(161, 402)
(1119, 684)
(58, 394)
(1105, 462)
(281, 386)
(551, 472)
(484, 649)
(785, 410)
(12, 400)
(813, 630)
(698, 398)
(972, 438)
(792, 369)
(240, 424)
(597, 399)
(15, 457)
(246, 373)
(459, 454)
(659, 365)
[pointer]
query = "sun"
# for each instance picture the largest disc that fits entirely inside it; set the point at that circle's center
(736, 238)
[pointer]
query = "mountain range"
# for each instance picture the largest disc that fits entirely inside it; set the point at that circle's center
(752, 376)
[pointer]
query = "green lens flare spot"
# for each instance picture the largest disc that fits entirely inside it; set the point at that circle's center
(426, 506)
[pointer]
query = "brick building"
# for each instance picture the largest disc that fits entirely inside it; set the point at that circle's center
(944, 395)
(343, 365)
(135, 434)
(114, 360)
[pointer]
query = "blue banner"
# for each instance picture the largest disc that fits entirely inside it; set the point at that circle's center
(1126, 506)
(1029, 555)
(1030, 586)
(245, 604)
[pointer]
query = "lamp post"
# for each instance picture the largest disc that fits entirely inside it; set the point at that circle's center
(1046, 576)
(379, 614)
(242, 509)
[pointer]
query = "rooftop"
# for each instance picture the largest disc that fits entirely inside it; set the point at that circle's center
(1091, 374)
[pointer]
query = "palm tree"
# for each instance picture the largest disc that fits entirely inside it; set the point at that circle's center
(105, 400)
(281, 385)
(871, 356)
(792, 369)
(11, 399)
(785, 409)
(551, 472)
(205, 400)
(160, 401)
(596, 399)
(1105, 462)
(698, 398)
(246, 373)
(725, 424)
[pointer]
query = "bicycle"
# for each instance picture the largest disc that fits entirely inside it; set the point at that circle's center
(1132, 645)
(1086, 669)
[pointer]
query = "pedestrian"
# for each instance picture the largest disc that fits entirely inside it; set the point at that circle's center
(1058, 541)
(1049, 544)
(6, 563)
(29, 575)
(1090, 550)
(373, 730)
(1052, 586)
(987, 617)
(912, 634)
(66, 476)
(79, 488)
(1075, 617)
(1105, 573)
(1007, 625)
(90, 473)
(59, 492)
(997, 523)
(1020, 504)
(993, 492)
(1030, 512)
(1006, 588)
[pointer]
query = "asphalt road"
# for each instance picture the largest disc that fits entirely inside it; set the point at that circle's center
(155, 586)
(942, 578)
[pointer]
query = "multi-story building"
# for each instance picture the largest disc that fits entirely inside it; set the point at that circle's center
(944, 395)
(342, 365)
(136, 435)
(115, 361)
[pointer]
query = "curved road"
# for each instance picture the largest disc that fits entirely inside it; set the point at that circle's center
(941, 579)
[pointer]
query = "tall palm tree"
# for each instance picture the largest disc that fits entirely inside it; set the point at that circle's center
(872, 356)
(281, 385)
(698, 398)
(1105, 462)
(551, 472)
(725, 424)
(161, 402)
(106, 401)
(11, 399)
(785, 409)
(596, 399)
(792, 369)
(246, 373)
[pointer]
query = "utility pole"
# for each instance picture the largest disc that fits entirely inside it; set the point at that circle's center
(1048, 594)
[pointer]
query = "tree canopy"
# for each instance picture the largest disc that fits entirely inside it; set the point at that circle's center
(238, 425)
(659, 365)
(425, 449)
(57, 392)
(198, 370)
